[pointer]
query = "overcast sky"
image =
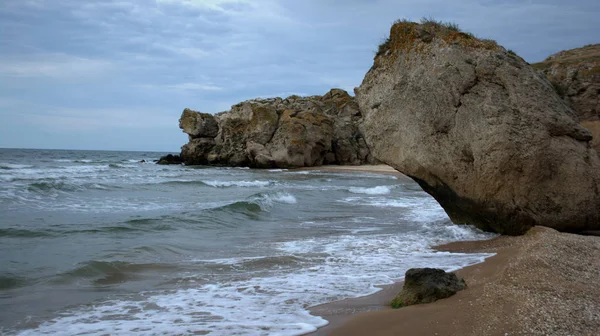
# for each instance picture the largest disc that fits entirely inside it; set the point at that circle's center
(116, 74)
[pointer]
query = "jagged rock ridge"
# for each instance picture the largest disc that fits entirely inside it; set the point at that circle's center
(275, 132)
(575, 74)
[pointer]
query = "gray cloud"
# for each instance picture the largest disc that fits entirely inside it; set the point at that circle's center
(117, 58)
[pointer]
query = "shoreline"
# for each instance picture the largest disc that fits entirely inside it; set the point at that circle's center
(376, 168)
(522, 289)
(340, 313)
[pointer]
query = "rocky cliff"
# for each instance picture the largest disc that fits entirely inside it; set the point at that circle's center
(291, 132)
(480, 130)
(575, 74)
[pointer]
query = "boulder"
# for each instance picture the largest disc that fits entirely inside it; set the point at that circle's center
(426, 285)
(275, 132)
(170, 159)
(302, 139)
(575, 75)
(480, 130)
(198, 125)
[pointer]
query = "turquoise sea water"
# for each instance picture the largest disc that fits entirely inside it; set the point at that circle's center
(95, 243)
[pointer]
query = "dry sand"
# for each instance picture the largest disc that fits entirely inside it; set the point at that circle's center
(542, 283)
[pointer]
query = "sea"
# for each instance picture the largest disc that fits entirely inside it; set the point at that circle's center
(101, 243)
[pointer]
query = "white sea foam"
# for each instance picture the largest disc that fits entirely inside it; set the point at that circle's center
(351, 175)
(228, 261)
(283, 197)
(267, 200)
(226, 184)
(275, 303)
(379, 190)
(420, 209)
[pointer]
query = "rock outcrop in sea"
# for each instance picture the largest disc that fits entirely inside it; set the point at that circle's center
(283, 133)
(480, 130)
(575, 74)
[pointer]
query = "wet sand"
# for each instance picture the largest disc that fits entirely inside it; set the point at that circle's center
(542, 283)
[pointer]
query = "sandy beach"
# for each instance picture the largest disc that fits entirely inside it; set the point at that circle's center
(542, 283)
(376, 168)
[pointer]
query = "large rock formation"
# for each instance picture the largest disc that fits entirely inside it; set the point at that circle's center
(575, 74)
(480, 130)
(276, 132)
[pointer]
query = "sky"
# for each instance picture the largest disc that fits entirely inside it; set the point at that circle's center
(116, 74)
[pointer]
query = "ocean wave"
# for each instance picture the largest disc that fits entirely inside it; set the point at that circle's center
(226, 184)
(419, 209)
(12, 166)
(56, 172)
(261, 202)
(93, 268)
(221, 184)
(10, 281)
(130, 226)
(47, 186)
(110, 272)
(240, 207)
(44, 187)
(344, 175)
(261, 262)
(322, 269)
(379, 190)
(23, 233)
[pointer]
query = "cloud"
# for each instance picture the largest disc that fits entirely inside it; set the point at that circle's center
(224, 6)
(183, 87)
(195, 86)
(52, 65)
(115, 59)
(87, 119)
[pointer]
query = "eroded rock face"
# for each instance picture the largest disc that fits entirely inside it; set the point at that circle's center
(198, 125)
(426, 285)
(481, 131)
(276, 132)
(575, 74)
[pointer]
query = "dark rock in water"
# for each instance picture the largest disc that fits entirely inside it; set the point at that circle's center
(170, 159)
(143, 161)
(425, 285)
(276, 132)
(481, 131)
